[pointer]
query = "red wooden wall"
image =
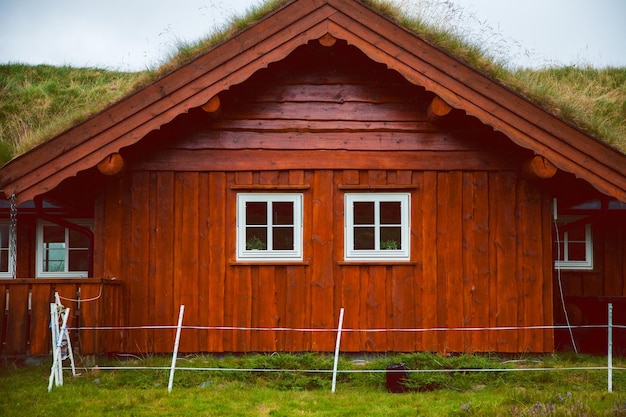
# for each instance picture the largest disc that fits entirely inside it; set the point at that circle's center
(475, 262)
(323, 122)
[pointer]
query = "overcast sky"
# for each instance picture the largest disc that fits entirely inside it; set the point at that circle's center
(138, 34)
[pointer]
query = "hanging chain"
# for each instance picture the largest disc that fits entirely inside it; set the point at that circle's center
(13, 237)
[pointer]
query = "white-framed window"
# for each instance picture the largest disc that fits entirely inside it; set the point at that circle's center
(377, 226)
(61, 251)
(269, 226)
(5, 258)
(574, 243)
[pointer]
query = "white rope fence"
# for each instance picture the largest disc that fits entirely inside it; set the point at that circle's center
(339, 331)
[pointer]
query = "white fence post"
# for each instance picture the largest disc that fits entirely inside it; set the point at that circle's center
(58, 334)
(334, 384)
(609, 355)
(176, 342)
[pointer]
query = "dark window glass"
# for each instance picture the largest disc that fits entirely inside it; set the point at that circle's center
(256, 213)
(364, 238)
(78, 240)
(282, 213)
(256, 238)
(53, 234)
(577, 251)
(283, 238)
(364, 212)
(79, 260)
(391, 238)
(390, 212)
(4, 261)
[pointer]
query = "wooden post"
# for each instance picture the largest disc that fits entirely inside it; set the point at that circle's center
(212, 105)
(112, 164)
(538, 167)
(437, 109)
(327, 40)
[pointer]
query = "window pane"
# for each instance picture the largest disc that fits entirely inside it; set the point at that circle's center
(4, 236)
(364, 213)
(54, 258)
(256, 238)
(53, 234)
(391, 238)
(256, 212)
(78, 240)
(282, 213)
(390, 212)
(282, 238)
(577, 234)
(4, 261)
(79, 260)
(577, 252)
(364, 238)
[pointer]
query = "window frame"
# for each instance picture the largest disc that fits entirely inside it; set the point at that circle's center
(7, 249)
(565, 263)
(87, 223)
(244, 254)
(377, 254)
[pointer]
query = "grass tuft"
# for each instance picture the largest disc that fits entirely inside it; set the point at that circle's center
(138, 387)
(39, 102)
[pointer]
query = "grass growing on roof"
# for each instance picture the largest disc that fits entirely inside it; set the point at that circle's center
(39, 102)
(593, 99)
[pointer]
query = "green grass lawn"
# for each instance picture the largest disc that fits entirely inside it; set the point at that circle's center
(448, 392)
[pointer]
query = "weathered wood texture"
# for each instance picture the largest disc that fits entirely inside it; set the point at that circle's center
(324, 122)
(270, 40)
(25, 324)
(476, 263)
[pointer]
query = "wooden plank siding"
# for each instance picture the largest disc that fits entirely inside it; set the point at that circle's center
(299, 117)
(502, 285)
(326, 122)
(25, 318)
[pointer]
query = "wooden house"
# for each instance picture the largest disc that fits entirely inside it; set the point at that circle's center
(323, 158)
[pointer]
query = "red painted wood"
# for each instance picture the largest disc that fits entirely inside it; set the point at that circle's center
(504, 262)
(204, 260)
(449, 265)
(3, 290)
(88, 314)
(429, 259)
(236, 160)
(17, 320)
(138, 267)
(323, 315)
(218, 256)
(476, 247)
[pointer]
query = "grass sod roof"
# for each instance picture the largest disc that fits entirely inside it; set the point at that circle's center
(40, 102)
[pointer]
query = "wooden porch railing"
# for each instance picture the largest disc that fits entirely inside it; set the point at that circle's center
(25, 314)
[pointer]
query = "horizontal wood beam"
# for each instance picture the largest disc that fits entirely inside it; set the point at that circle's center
(301, 125)
(263, 160)
(327, 40)
(364, 141)
(437, 109)
(539, 167)
(212, 105)
(112, 164)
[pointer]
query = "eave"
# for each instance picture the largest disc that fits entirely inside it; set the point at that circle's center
(271, 40)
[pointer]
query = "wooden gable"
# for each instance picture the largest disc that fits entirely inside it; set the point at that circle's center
(275, 37)
(324, 107)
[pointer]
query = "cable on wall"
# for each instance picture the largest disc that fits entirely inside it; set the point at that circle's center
(558, 275)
